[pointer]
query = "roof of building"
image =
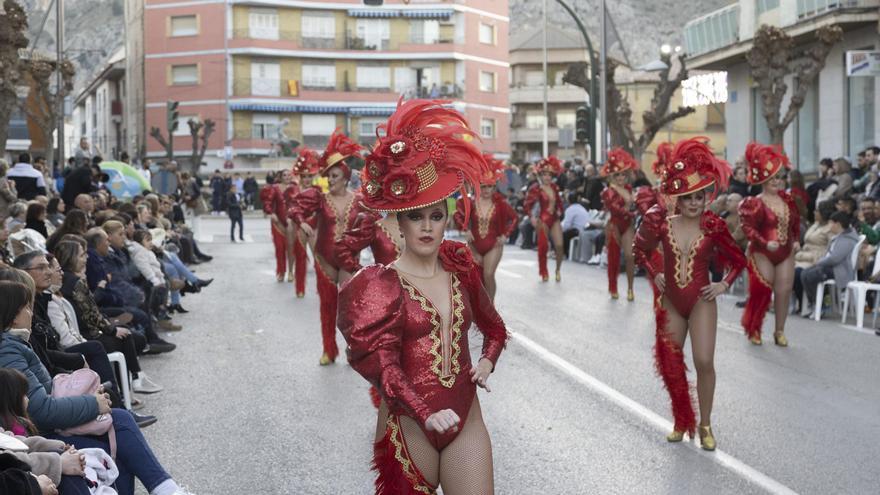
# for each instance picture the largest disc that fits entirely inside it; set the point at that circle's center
(533, 39)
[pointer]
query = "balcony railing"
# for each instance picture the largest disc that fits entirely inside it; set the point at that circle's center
(810, 8)
(347, 40)
(247, 86)
(712, 31)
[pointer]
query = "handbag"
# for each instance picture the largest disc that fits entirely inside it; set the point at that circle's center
(84, 382)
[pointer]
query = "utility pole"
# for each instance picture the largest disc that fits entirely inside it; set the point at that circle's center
(603, 111)
(546, 148)
(59, 48)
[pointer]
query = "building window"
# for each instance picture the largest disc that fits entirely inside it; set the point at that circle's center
(487, 82)
(184, 25)
(373, 77)
(265, 79)
(487, 128)
(183, 126)
(425, 32)
(185, 74)
(535, 78)
(375, 33)
(263, 24)
(318, 29)
(535, 119)
(265, 126)
(565, 119)
(487, 34)
(319, 76)
(762, 6)
(367, 130)
(861, 113)
(760, 131)
(808, 132)
(317, 128)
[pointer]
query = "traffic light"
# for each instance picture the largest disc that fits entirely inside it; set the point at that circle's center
(583, 125)
(172, 115)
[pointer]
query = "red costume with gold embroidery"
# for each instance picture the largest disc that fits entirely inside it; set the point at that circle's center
(396, 337)
(329, 227)
(499, 220)
(621, 215)
(272, 198)
(647, 197)
(550, 209)
(367, 231)
(762, 224)
(693, 168)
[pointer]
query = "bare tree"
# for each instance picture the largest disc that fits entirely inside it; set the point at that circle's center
(772, 58)
(13, 26)
(156, 134)
(200, 133)
(47, 97)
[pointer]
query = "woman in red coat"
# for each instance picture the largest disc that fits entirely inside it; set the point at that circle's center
(407, 323)
(692, 240)
(334, 213)
(491, 223)
(618, 200)
(549, 220)
(772, 224)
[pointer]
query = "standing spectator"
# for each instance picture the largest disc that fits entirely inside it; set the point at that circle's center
(592, 189)
(834, 263)
(29, 182)
(842, 169)
(165, 180)
(8, 195)
(250, 190)
(238, 180)
(233, 208)
(145, 171)
(80, 181)
(83, 155)
(217, 191)
(872, 157)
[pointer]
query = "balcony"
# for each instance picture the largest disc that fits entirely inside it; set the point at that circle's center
(812, 8)
(712, 31)
(527, 135)
(246, 86)
(555, 94)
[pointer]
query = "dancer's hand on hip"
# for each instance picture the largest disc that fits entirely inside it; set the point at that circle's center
(480, 373)
(660, 281)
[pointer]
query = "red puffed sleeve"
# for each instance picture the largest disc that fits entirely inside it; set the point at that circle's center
(645, 198)
(615, 204)
(794, 218)
(648, 237)
(458, 217)
(727, 253)
(751, 215)
(305, 204)
(486, 317)
(559, 210)
(356, 239)
(506, 215)
(267, 198)
(371, 317)
(533, 195)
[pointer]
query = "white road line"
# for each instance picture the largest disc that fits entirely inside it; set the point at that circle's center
(508, 273)
(726, 460)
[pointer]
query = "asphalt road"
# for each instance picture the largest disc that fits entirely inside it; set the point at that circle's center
(575, 406)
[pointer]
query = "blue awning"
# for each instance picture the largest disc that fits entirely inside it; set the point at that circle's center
(256, 107)
(373, 13)
(371, 111)
(428, 14)
(328, 109)
(321, 109)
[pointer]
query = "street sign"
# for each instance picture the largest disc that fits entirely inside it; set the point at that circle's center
(862, 63)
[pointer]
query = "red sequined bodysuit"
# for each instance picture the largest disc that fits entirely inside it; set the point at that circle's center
(272, 198)
(367, 231)
(487, 227)
(550, 213)
(621, 220)
(761, 224)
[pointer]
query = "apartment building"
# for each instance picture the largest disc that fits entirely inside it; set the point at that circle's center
(98, 110)
(839, 115)
(260, 68)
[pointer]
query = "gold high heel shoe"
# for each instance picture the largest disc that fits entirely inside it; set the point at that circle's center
(755, 340)
(780, 340)
(558, 276)
(675, 436)
(290, 276)
(300, 295)
(707, 439)
(325, 360)
(280, 277)
(615, 295)
(630, 296)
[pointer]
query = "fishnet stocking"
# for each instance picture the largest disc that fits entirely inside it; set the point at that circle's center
(422, 453)
(466, 463)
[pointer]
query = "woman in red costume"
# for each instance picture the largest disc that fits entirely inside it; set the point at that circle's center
(618, 200)
(549, 222)
(490, 225)
(305, 168)
(691, 241)
(274, 205)
(407, 323)
(646, 198)
(334, 212)
(771, 223)
(380, 233)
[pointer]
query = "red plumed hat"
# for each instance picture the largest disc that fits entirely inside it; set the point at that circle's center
(664, 156)
(551, 165)
(693, 167)
(495, 171)
(764, 161)
(306, 163)
(618, 161)
(425, 155)
(338, 149)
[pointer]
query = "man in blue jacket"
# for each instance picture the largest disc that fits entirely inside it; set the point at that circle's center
(836, 261)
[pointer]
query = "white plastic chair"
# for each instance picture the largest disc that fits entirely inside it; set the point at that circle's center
(573, 244)
(820, 289)
(860, 289)
(118, 359)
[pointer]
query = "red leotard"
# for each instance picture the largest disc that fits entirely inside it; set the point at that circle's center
(396, 340)
(367, 230)
(621, 216)
(537, 194)
(761, 225)
(273, 202)
(328, 228)
(684, 281)
(487, 227)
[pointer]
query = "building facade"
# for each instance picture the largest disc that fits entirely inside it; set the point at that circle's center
(99, 111)
(839, 115)
(267, 69)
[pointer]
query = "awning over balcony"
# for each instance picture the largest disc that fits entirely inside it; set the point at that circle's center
(428, 14)
(320, 109)
(373, 13)
(370, 111)
(254, 107)
(354, 111)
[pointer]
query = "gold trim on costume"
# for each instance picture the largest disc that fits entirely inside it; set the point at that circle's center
(402, 455)
(427, 175)
(782, 221)
(683, 278)
(394, 239)
(341, 220)
(483, 223)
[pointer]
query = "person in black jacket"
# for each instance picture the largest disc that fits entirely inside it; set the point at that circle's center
(80, 181)
(233, 209)
(16, 477)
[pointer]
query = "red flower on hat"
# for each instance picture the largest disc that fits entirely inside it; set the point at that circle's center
(400, 185)
(456, 256)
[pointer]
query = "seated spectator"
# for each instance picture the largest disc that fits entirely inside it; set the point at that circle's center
(824, 187)
(872, 185)
(815, 245)
(133, 454)
(846, 205)
(35, 219)
(738, 183)
(842, 176)
(55, 212)
(17, 216)
(834, 263)
(574, 220)
(76, 222)
(592, 237)
(867, 221)
(86, 203)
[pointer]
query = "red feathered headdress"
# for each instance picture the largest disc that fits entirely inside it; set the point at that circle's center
(338, 149)
(693, 167)
(764, 161)
(618, 161)
(550, 165)
(664, 157)
(495, 172)
(306, 163)
(425, 155)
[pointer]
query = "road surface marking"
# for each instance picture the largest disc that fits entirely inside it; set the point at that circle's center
(508, 273)
(726, 460)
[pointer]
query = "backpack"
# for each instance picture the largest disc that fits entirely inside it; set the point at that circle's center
(84, 382)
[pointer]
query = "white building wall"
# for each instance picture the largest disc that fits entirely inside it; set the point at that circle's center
(738, 111)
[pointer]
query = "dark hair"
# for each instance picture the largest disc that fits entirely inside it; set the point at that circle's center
(875, 149)
(13, 388)
(24, 157)
(842, 218)
(122, 217)
(828, 162)
(52, 208)
(869, 199)
(23, 261)
(826, 209)
(94, 236)
(13, 297)
(850, 201)
(67, 253)
(75, 222)
(34, 211)
(139, 235)
(128, 209)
